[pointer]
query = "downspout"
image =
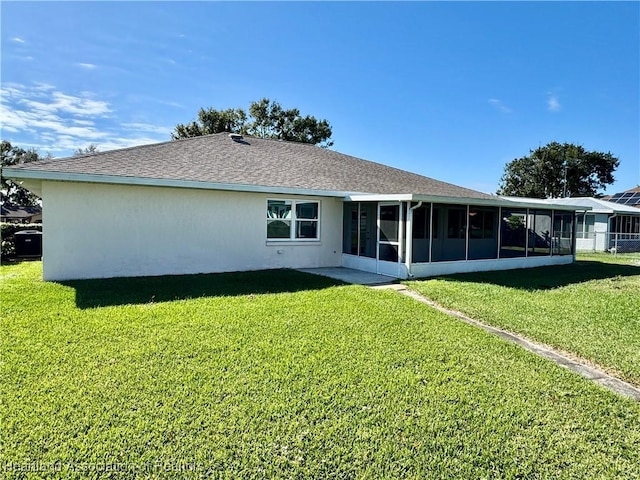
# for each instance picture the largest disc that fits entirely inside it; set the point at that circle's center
(409, 239)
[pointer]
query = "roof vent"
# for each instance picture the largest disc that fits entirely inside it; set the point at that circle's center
(236, 137)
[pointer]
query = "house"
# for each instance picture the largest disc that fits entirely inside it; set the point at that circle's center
(259, 204)
(17, 214)
(607, 226)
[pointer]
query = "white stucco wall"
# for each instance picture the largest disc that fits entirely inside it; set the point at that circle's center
(102, 230)
(598, 240)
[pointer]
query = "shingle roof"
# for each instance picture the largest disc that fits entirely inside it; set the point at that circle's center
(253, 161)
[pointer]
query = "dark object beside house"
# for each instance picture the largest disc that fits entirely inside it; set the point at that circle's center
(28, 243)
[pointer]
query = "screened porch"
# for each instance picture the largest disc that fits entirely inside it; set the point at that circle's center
(416, 238)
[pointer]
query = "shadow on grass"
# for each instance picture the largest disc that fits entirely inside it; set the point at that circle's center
(546, 278)
(141, 290)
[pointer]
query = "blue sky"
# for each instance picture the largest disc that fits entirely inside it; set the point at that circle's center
(450, 90)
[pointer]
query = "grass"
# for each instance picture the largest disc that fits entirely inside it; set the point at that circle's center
(590, 309)
(216, 376)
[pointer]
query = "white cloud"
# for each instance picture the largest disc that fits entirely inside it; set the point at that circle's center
(87, 66)
(32, 121)
(135, 98)
(42, 87)
(9, 128)
(553, 104)
(41, 116)
(87, 123)
(75, 105)
(17, 40)
(498, 105)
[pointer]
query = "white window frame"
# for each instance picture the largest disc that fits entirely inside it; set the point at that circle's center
(294, 221)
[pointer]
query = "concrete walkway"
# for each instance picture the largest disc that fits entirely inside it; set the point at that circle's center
(612, 383)
(349, 275)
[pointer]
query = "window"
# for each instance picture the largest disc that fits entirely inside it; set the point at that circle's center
(483, 233)
(540, 232)
(421, 216)
(482, 224)
(585, 226)
(360, 229)
(389, 219)
(562, 233)
(292, 220)
(457, 226)
(625, 224)
(513, 236)
(350, 228)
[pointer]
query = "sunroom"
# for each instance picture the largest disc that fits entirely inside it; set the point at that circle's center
(412, 236)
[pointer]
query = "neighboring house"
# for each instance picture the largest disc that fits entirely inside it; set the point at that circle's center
(607, 226)
(17, 214)
(258, 204)
(629, 197)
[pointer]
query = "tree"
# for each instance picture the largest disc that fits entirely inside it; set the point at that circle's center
(558, 170)
(266, 119)
(13, 193)
(89, 149)
(212, 121)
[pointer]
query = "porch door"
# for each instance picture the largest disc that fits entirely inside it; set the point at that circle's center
(389, 238)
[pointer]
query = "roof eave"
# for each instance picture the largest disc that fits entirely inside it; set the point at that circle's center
(490, 202)
(25, 174)
(22, 174)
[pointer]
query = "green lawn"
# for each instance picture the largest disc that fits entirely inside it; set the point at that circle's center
(590, 309)
(283, 375)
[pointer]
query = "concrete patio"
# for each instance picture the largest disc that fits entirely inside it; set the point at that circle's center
(349, 275)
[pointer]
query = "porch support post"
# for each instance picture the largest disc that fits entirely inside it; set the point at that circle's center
(466, 235)
(408, 258)
(499, 232)
(526, 233)
(552, 237)
(401, 250)
(430, 231)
